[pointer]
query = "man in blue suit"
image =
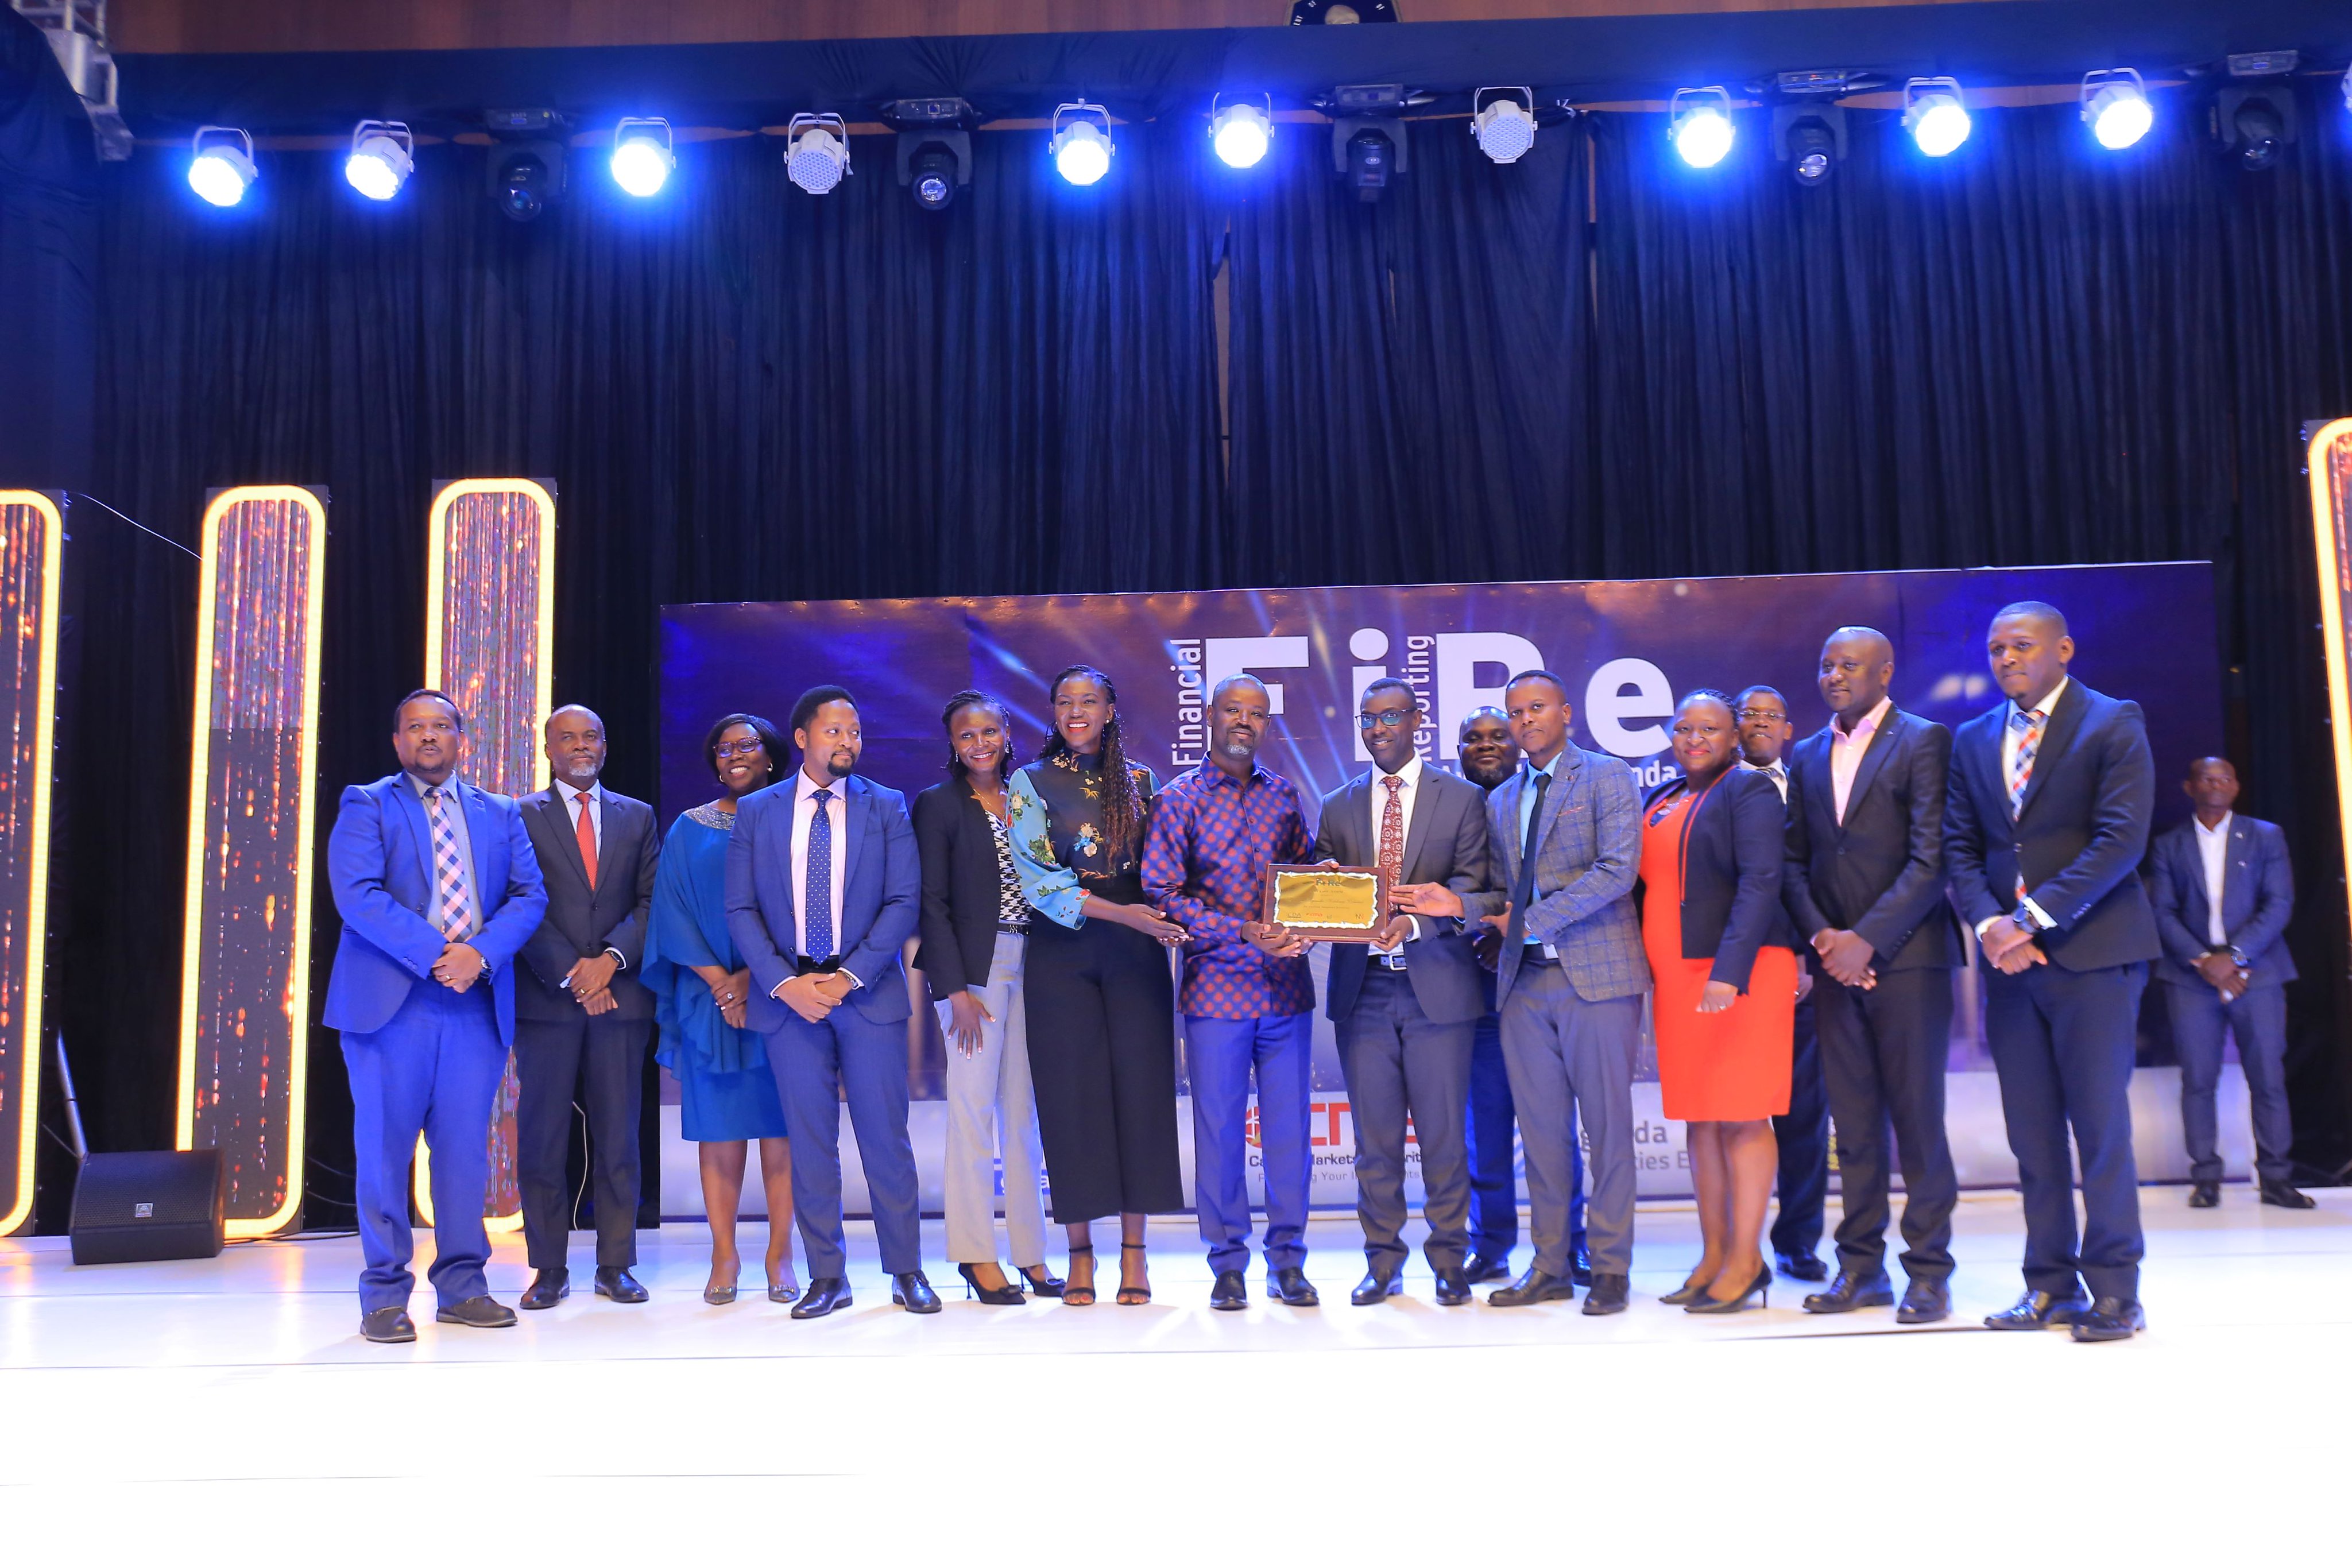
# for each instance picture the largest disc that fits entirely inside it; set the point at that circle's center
(823, 887)
(2044, 827)
(438, 890)
(2223, 896)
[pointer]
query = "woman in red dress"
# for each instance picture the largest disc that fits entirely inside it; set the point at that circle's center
(1723, 956)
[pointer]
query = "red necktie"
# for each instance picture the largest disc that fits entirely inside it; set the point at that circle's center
(585, 830)
(1393, 831)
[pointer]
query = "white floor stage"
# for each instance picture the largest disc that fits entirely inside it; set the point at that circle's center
(227, 1410)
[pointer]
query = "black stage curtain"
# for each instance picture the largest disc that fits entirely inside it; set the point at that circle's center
(1595, 363)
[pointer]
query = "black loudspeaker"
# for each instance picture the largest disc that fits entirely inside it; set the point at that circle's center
(142, 1207)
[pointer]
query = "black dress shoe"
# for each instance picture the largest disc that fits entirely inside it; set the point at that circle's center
(1230, 1294)
(2279, 1194)
(1925, 1302)
(823, 1296)
(1531, 1287)
(388, 1325)
(1373, 1290)
(619, 1285)
(914, 1293)
(2205, 1195)
(477, 1312)
(1854, 1292)
(1290, 1287)
(547, 1287)
(1805, 1266)
(1453, 1287)
(2041, 1309)
(2110, 1317)
(1482, 1268)
(1609, 1295)
(1580, 1263)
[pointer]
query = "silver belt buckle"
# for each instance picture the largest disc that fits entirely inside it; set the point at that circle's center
(1392, 961)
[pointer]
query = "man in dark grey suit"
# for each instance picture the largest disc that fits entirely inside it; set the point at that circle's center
(1406, 1006)
(582, 1016)
(1565, 836)
(2225, 893)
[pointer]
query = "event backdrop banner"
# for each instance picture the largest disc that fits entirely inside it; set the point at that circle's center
(1624, 648)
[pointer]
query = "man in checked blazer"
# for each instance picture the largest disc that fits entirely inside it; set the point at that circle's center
(1566, 839)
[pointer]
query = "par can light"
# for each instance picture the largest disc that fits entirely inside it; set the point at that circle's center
(643, 156)
(1241, 133)
(381, 157)
(1699, 123)
(222, 170)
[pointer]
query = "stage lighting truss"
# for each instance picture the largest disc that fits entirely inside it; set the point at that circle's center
(1809, 137)
(381, 157)
(1081, 147)
(643, 156)
(1936, 113)
(1699, 123)
(2115, 107)
(1242, 133)
(816, 151)
(1504, 127)
(223, 168)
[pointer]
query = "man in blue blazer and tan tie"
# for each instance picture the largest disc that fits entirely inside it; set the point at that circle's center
(2225, 893)
(438, 890)
(2044, 827)
(825, 885)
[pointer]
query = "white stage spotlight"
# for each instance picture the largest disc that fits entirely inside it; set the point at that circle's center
(816, 151)
(1936, 114)
(2116, 106)
(1241, 133)
(383, 154)
(1081, 150)
(223, 167)
(1504, 129)
(643, 156)
(1698, 123)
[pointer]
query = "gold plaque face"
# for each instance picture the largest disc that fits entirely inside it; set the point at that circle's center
(1327, 904)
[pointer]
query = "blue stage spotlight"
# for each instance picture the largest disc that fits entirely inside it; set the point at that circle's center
(643, 156)
(1241, 133)
(2115, 107)
(223, 167)
(383, 154)
(1698, 123)
(1081, 150)
(816, 151)
(1936, 114)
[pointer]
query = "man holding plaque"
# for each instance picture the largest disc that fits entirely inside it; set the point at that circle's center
(1406, 1005)
(1246, 997)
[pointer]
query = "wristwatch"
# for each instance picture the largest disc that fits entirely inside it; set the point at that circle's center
(2238, 956)
(2023, 918)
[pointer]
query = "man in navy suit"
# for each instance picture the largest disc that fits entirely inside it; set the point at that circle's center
(2044, 826)
(438, 890)
(823, 887)
(2223, 896)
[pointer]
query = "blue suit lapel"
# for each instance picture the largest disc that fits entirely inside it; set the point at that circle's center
(480, 829)
(410, 812)
(856, 798)
(1874, 757)
(2066, 719)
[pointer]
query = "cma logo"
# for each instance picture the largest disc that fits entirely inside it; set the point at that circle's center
(1623, 707)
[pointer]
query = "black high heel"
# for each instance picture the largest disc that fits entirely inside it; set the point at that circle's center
(1693, 1287)
(1008, 1295)
(1133, 1295)
(1079, 1295)
(1042, 1283)
(1760, 1287)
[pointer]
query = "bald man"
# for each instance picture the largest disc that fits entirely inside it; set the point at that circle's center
(582, 1016)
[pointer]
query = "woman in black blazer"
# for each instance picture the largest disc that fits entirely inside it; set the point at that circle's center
(975, 931)
(1723, 957)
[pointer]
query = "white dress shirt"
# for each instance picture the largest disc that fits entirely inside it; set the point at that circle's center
(1846, 751)
(1778, 772)
(1411, 775)
(2213, 849)
(804, 791)
(2011, 738)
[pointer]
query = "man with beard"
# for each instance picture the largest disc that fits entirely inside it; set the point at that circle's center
(823, 887)
(1246, 997)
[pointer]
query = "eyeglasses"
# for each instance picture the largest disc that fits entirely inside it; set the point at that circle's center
(728, 748)
(1385, 720)
(1749, 715)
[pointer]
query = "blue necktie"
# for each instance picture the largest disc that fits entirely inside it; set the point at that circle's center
(816, 897)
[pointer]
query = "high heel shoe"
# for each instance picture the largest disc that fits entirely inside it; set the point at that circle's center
(1007, 1296)
(1079, 1295)
(721, 1295)
(1133, 1295)
(1693, 1287)
(1760, 1288)
(1042, 1281)
(780, 1292)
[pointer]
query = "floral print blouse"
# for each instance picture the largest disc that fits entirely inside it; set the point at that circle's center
(1058, 845)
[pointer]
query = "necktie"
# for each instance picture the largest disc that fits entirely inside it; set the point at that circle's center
(585, 830)
(2020, 771)
(1393, 831)
(454, 900)
(1523, 887)
(817, 894)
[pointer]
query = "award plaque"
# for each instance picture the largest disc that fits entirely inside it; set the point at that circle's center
(1327, 903)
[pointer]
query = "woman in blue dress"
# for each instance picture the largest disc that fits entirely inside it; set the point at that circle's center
(700, 983)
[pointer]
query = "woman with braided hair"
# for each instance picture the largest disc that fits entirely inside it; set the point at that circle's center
(1100, 1001)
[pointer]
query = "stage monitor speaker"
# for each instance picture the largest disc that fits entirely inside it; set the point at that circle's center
(145, 1207)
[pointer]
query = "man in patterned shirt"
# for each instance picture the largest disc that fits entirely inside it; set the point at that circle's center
(1247, 998)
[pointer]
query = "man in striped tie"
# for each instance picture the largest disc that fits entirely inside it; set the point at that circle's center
(2044, 826)
(438, 890)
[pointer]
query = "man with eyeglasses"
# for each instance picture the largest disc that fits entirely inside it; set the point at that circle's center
(1765, 731)
(1406, 1006)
